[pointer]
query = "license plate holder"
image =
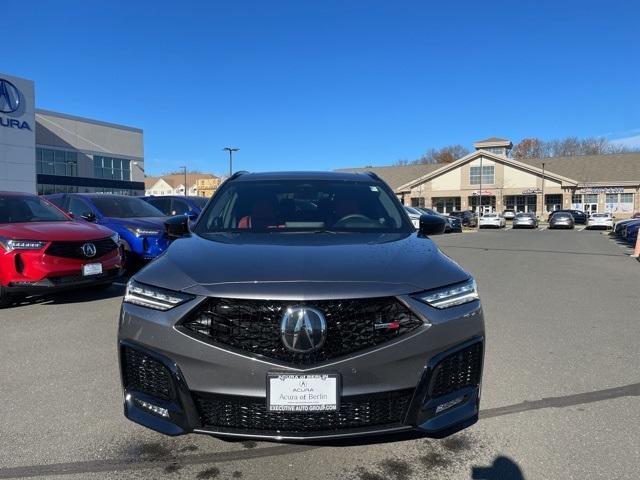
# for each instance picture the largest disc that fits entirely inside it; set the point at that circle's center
(288, 392)
(91, 269)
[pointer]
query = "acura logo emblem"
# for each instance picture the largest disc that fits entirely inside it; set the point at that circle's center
(89, 250)
(9, 97)
(303, 329)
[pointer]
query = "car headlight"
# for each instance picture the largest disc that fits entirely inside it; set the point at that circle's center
(9, 244)
(450, 296)
(144, 232)
(115, 238)
(154, 297)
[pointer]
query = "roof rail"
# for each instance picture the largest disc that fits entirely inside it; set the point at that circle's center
(236, 175)
(373, 175)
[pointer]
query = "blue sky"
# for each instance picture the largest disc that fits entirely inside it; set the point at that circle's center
(329, 84)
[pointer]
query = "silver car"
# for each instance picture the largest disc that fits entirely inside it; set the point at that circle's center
(525, 220)
(561, 219)
(302, 306)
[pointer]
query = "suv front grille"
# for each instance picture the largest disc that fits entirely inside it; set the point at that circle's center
(253, 326)
(250, 413)
(459, 370)
(142, 373)
(74, 249)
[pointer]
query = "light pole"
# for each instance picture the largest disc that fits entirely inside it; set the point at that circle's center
(542, 212)
(480, 194)
(230, 150)
(185, 180)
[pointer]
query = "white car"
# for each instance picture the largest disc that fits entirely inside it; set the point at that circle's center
(600, 220)
(495, 220)
(414, 216)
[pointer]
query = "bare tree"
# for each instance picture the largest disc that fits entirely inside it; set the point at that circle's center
(529, 148)
(448, 154)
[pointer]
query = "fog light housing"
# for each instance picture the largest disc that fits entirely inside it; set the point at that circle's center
(160, 411)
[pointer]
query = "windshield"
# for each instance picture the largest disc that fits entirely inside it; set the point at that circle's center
(125, 207)
(22, 209)
(303, 205)
(200, 202)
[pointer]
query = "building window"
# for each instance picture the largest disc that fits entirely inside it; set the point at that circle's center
(521, 203)
(56, 162)
(553, 202)
(446, 204)
(488, 175)
(496, 150)
(47, 189)
(111, 168)
(417, 201)
(619, 202)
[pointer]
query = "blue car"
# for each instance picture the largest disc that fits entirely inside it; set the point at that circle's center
(630, 232)
(140, 225)
(178, 205)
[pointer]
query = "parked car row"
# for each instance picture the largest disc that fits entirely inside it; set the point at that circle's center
(452, 224)
(70, 240)
(627, 230)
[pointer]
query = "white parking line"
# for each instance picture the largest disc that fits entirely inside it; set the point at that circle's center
(581, 229)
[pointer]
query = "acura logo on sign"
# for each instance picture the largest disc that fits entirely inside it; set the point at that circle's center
(9, 97)
(303, 329)
(89, 250)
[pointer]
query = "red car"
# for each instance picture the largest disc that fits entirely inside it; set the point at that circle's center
(43, 250)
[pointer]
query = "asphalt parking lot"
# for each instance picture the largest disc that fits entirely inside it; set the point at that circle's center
(561, 392)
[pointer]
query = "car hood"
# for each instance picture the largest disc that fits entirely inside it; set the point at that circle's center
(55, 231)
(142, 222)
(302, 266)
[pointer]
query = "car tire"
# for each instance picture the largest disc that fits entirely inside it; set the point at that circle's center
(5, 298)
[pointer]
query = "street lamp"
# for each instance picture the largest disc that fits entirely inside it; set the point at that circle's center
(185, 180)
(230, 150)
(543, 205)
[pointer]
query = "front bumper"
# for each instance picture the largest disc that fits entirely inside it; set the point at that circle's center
(384, 389)
(146, 248)
(37, 272)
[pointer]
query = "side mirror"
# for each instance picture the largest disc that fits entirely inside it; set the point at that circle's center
(431, 225)
(88, 216)
(192, 215)
(177, 227)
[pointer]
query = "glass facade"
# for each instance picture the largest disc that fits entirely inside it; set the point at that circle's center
(521, 203)
(111, 168)
(56, 162)
(488, 175)
(619, 202)
(446, 204)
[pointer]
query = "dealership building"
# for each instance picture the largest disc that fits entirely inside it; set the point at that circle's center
(48, 152)
(490, 180)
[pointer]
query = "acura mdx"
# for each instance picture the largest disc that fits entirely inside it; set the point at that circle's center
(302, 306)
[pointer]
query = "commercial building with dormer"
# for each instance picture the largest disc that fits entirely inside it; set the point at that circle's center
(488, 179)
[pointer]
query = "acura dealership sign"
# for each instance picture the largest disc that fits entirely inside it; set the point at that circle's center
(17, 134)
(12, 104)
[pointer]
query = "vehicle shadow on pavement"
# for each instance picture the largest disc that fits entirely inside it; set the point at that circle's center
(83, 295)
(503, 468)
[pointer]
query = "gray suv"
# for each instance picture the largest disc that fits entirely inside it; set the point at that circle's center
(299, 307)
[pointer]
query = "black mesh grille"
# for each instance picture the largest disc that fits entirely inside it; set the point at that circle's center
(144, 374)
(458, 370)
(250, 413)
(74, 249)
(254, 326)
